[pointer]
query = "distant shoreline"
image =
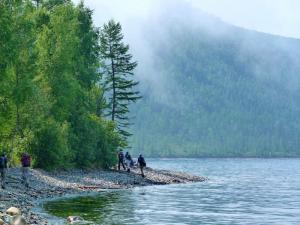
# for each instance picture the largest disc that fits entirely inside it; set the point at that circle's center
(48, 185)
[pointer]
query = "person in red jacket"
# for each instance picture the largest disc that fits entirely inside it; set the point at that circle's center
(26, 162)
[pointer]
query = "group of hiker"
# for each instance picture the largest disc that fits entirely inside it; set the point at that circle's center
(25, 162)
(127, 162)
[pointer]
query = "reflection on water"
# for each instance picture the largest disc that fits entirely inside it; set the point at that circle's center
(239, 191)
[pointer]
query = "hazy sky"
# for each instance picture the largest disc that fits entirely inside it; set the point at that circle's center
(271, 16)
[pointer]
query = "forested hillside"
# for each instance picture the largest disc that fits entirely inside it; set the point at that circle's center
(222, 91)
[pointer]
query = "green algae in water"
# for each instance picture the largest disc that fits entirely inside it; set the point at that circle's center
(99, 209)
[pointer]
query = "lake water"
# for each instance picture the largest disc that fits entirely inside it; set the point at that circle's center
(239, 191)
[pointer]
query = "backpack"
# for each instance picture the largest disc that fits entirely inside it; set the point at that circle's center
(121, 156)
(128, 157)
(2, 162)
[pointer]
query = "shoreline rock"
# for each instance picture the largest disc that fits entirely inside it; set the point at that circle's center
(47, 185)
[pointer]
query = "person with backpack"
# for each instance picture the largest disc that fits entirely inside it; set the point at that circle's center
(121, 160)
(142, 163)
(26, 162)
(129, 161)
(3, 168)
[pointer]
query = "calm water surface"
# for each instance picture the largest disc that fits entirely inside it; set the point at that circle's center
(239, 191)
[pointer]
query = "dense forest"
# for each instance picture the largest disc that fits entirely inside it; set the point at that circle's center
(221, 91)
(54, 93)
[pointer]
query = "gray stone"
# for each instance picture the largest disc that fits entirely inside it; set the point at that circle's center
(7, 219)
(74, 219)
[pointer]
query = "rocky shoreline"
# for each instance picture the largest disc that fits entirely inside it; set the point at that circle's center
(47, 185)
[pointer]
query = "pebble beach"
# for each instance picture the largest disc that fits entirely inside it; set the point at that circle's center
(48, 185)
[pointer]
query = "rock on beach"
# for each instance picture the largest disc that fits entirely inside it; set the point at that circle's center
(13, 211)
(74, 219)
(18, 220)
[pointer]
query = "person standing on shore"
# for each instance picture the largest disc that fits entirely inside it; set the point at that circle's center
(142, 163)
(3, 168)
(26, 162)
(129, 161)
(121, 160)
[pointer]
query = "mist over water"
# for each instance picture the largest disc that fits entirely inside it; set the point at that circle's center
(211, 86)
(137, 17)
(239, 191)
(147, 24)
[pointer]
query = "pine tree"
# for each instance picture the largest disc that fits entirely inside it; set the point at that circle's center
(118, 75)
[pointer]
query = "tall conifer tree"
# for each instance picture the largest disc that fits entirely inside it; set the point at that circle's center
(118, 75)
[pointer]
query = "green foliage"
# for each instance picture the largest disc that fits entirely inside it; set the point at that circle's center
(50, 146)
(92, 151)
(118, 72)
(17, 73)
(57, 48)
(50, 98)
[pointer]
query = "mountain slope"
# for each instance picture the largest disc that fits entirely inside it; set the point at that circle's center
(220, 91)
